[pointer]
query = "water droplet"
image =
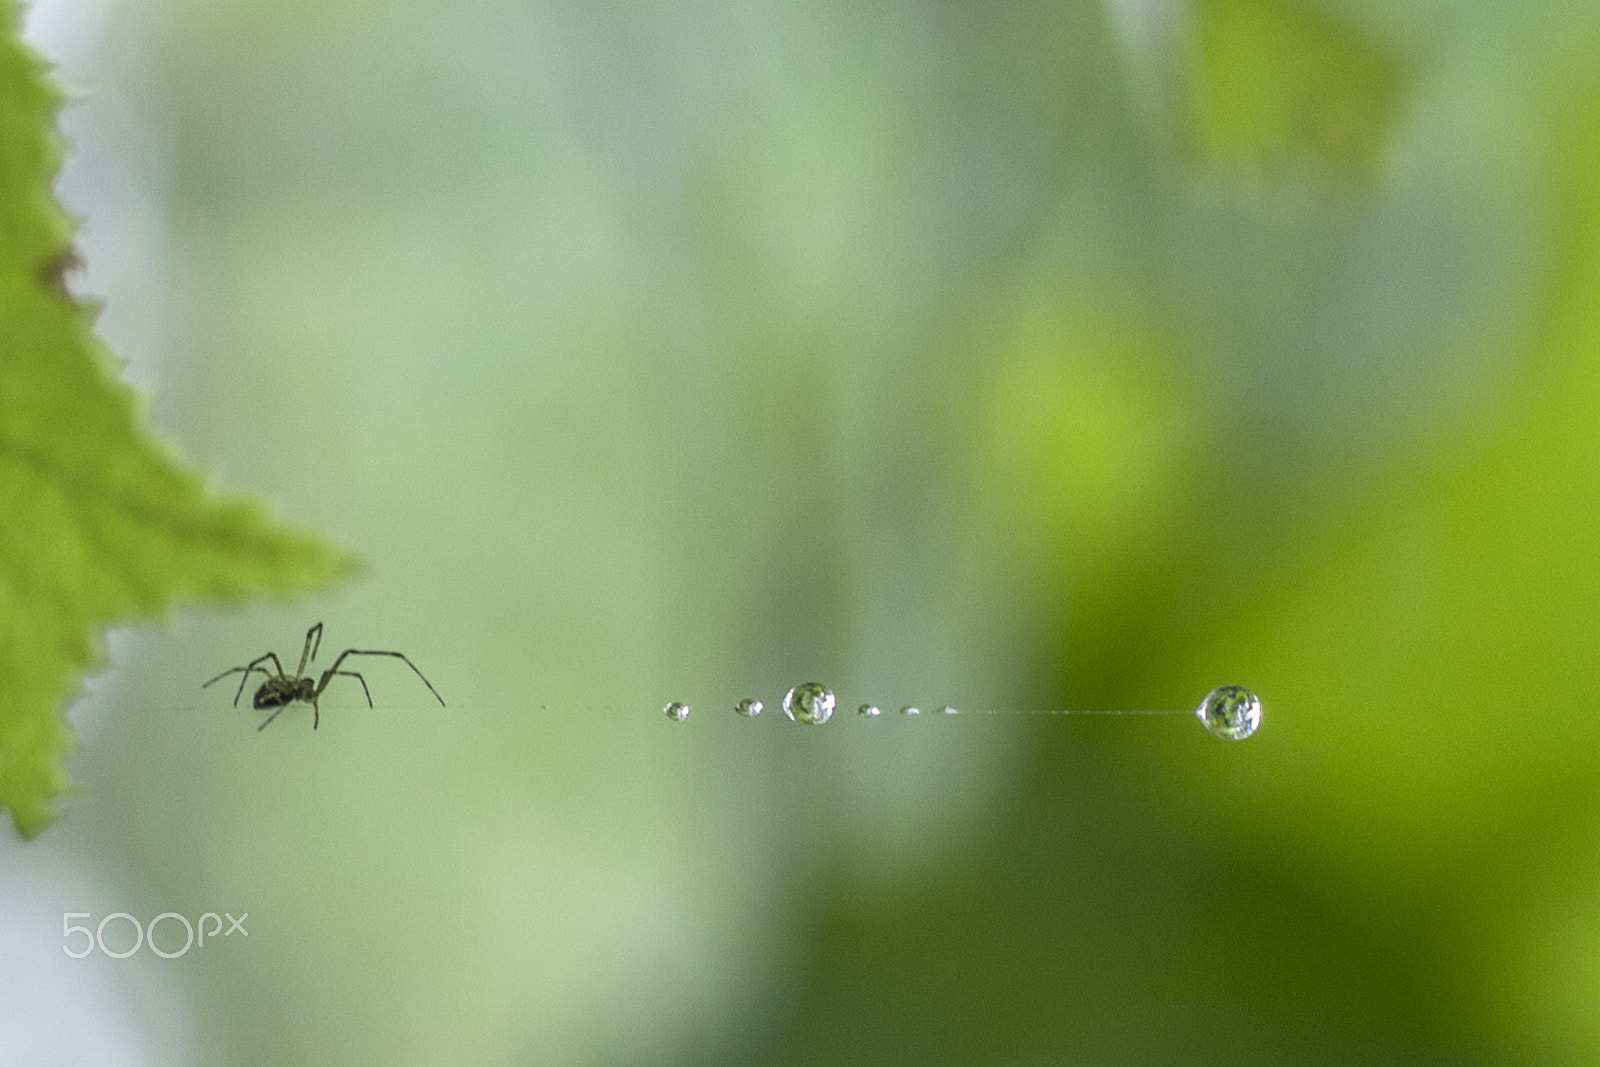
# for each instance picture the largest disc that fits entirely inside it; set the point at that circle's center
(749, 707)
(947, 710)
(1230, 711)
(911, 709)
(809, 702)
(870, 710)
(676, 712)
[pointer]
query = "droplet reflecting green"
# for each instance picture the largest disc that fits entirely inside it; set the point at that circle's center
(749, 707)
(1230, 711)
(911, 709)
(869, 710)
(810, 702)
(676, 712)
(947, 710)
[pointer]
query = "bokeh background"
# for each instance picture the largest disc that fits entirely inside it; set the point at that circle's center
(1010, 355)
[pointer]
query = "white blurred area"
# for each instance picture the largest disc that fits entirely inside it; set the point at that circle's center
(55, 1009)
(109, 183)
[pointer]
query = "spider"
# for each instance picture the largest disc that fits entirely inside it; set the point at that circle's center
(282, 689)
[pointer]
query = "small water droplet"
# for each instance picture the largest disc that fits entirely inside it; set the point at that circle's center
(1230, 711)
(911, 709)
(870, 710)
(810, 702)
(947, 710)
(749, 707)
(676, 712)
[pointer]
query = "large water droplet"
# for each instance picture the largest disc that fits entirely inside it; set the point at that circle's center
(676, 712)
(809, 702)
(869, 710)
(749, 707)
(1230, 711)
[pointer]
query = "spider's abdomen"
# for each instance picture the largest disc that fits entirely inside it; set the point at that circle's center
(276, 692)
(272, 696)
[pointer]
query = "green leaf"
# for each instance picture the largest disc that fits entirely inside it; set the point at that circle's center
(99, 523)
(1280, 84)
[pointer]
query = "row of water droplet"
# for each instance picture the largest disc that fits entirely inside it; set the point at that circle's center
(1229, 711)
(809, 702)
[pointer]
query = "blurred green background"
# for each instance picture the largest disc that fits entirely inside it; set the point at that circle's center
(1005, 355)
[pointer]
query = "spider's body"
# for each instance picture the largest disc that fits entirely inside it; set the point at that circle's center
(282, 689)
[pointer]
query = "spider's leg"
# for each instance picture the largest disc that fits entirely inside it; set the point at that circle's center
(373, 652)
(274, 715)
(316, 715)
(246, 671)
(255, 665)
(243, 670)
(224, 674)
(328, 677)
(309, 652)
